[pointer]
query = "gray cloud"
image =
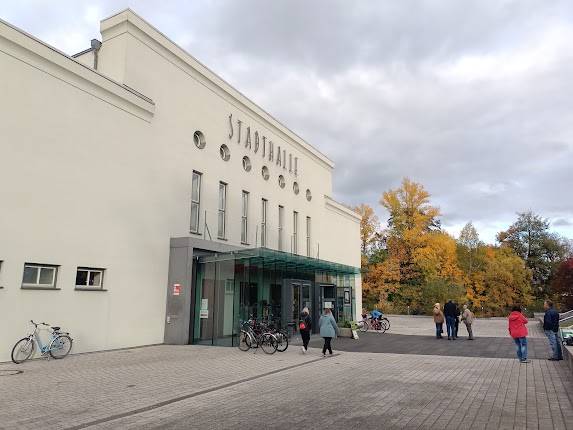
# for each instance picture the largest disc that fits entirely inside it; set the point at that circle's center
(473, 98)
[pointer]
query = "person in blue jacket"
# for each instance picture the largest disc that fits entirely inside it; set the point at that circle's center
(551, 328)
(328, 330)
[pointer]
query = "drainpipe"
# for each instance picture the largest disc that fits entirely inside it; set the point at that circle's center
(96, 45)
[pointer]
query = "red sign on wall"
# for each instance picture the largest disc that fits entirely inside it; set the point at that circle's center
(176, 289)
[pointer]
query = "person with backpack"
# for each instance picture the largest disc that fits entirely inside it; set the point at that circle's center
(438, 320)
(304, 326)
(328, 330)
(518, 331)
(468, 319)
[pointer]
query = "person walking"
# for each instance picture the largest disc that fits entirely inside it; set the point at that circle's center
(450, 314)
(468, 319)
(328, 330)
(518, 331)
(438, 320)
(551, 329)
(304, 326)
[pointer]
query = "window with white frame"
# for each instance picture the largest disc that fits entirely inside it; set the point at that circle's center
(281, 227)
(245, 218)
(295, 232)
(89, 278)
(308, 250)
(39, 276)
(222, 214)
(264, 204)
(195, 201)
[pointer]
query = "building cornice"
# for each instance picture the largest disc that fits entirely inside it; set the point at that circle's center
(339, 208)
(32, 51)
(128, 21)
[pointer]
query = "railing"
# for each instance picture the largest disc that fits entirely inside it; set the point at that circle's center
(566, 315)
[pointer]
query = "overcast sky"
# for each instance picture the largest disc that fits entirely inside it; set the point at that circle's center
(473, 99)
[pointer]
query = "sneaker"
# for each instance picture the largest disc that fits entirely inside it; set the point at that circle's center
(303, 350)
(525, 361)
(553, 359)
(323, 355)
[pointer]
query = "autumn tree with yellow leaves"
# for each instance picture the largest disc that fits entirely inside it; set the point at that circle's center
(413, 264)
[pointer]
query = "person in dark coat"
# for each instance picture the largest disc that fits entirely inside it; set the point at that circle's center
(457, 323)
(305, 327)
(450, 314)
(551, 328)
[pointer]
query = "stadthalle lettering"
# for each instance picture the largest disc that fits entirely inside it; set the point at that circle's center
(267, 149)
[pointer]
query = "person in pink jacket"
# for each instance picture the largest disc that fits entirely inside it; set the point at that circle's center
(518, 331)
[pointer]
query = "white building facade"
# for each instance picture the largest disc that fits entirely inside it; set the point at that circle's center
(144, 200)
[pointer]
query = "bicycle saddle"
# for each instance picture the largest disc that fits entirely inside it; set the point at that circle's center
(56, 328)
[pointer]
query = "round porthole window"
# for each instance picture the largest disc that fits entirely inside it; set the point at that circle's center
(282, 182)
(199, 139)
(225, 152)
(308, 195)
(295, 187)
(265, 173)
(246, 164)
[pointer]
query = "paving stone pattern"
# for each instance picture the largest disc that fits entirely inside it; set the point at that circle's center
(195, 387)
(491, 347)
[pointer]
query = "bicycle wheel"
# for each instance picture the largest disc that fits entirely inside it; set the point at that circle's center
(244, 341)
(23, 350)
(282, 341)
(362, 326)
(268, 343)
(60, 346)
(385, 323)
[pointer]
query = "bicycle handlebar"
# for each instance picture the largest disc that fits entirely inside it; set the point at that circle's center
(37, 324)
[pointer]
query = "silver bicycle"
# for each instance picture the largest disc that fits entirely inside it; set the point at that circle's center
(58, 346)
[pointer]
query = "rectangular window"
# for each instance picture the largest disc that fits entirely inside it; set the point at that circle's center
(281, 227)
(89, 278)
(222, 215)
(245, 218)
(39, 276)
(264, 222)
(308, 250)
(295, 232)
(195, 201)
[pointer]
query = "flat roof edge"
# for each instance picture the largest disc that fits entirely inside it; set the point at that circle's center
(44, 51)
(339, 207)
(131, 17)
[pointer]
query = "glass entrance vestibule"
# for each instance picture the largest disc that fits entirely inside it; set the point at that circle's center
(269, 285)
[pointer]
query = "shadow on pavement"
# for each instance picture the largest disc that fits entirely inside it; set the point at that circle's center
(488, 347)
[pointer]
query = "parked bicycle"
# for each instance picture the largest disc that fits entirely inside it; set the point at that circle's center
(58, 346)
(281, 334)
(380, 325)
(253, 335)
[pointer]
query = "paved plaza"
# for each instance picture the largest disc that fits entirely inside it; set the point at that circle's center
(188, 387)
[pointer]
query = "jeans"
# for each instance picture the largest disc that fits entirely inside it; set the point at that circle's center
(521, 344)
(450, 326)
(555, 344)
(305, 335)
(456, 327)
(439, 329)
(327, 346)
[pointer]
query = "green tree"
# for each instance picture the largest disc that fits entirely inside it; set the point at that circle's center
(541, 250)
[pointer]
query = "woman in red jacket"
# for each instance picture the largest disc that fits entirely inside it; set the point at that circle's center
(518, 331)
